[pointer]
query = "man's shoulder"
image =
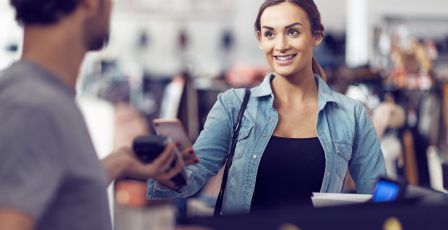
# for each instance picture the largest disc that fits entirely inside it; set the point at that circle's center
(20, 87)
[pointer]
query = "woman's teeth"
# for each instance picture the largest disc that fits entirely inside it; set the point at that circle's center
(284, 58)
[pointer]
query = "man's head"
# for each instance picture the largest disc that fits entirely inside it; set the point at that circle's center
(95, 15)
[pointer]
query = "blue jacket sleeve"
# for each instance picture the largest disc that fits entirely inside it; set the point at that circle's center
(367, 162)
(211, 148)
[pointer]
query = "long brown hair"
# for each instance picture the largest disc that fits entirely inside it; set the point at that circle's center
(317, 29)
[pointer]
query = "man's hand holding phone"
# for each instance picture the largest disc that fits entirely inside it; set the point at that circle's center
(188, 158)
(169, 172)
(160, 169)
(124, 162)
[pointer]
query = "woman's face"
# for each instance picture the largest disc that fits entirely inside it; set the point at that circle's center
(286, 39)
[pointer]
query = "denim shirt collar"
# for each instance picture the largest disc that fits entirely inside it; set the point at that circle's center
(325, 94)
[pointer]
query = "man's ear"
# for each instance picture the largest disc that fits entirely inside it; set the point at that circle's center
(90, 5)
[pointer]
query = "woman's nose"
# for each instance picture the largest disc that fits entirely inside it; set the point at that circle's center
(281, 44)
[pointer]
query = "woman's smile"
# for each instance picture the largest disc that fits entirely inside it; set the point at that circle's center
(285, 59)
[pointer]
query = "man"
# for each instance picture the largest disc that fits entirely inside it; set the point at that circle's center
(50, 177)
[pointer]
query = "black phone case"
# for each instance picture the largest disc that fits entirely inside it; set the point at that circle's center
(148, 148)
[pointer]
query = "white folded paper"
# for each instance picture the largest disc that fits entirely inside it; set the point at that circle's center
(333, 199)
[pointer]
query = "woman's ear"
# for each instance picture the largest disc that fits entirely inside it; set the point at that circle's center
(318, 39)
(259, 39)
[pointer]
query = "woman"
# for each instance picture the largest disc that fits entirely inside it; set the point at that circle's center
(297, 136)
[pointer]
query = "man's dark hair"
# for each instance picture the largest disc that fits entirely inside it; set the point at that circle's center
(42, 12)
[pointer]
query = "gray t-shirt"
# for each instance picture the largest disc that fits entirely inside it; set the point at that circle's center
(48, 165)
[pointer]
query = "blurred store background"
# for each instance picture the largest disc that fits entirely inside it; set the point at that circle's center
(170, 58)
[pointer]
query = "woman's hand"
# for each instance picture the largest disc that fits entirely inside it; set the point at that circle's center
(189, 156)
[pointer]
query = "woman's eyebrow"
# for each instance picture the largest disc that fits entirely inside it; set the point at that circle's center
(286, 27)
(293, 24)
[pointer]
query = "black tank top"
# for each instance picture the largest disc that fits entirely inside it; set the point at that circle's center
(289, 171)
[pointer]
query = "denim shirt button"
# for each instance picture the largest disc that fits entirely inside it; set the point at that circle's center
(254, 156)
(327, 174)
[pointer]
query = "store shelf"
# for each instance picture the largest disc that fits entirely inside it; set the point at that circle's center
(173, 15)
(178, 10)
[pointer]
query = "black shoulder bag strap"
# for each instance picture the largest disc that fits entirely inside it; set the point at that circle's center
(236, 130)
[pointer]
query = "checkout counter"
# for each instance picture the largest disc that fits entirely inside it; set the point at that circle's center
(419, 208)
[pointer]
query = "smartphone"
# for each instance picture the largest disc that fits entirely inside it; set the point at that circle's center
(173, 129)
(148, 148)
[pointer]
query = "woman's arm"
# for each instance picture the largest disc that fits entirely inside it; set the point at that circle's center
(367, 162)
(211, 148)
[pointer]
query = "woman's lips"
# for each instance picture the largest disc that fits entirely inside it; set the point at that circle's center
(284, 59)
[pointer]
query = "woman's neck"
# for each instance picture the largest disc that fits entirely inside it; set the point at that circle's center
(295, 89)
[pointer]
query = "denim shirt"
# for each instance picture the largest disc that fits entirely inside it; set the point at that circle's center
(343, 128)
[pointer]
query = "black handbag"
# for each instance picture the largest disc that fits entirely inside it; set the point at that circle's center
(236, 130)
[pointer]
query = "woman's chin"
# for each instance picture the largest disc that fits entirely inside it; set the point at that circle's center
(284, 72)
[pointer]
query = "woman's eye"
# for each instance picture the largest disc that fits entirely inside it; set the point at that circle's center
(293, 32)
(268, 34)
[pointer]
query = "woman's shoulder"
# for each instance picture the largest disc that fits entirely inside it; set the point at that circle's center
(346, 100)
(348, 104)
(233, 96)
(339, 100)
